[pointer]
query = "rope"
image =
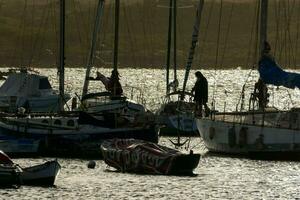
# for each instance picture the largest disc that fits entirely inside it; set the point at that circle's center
(227, 33)
(35, 42)
(78, 20)
(22, 49)
(55, 30)
(201, 53)
(129, 36)
(217, 52)
(255, 53)
(298, 27)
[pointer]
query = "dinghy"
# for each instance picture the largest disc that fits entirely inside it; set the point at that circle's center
(42, 175)
(138, 156)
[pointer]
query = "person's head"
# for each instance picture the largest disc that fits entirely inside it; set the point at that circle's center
(115, 74)
(267, 47)
(198, 74)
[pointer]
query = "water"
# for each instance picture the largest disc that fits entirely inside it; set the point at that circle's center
(218, 177)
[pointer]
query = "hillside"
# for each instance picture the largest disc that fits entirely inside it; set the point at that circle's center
(29, 33)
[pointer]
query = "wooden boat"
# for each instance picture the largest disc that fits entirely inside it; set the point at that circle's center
(138, 156)
(42, 175)
(9, 172)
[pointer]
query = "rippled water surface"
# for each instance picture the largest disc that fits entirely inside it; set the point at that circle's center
(218, 177)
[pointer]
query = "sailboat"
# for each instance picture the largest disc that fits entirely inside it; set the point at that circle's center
(74, 133)
(106, 101)
(262, 131)
(25, 88)
(177, 112)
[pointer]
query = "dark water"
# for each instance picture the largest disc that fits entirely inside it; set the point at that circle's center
(218, 177)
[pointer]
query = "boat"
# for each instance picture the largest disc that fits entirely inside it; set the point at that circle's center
(77, 133)
(77, 136)
(176, 115)
(259, 131)
(137, 156)
(106, 101)
(9, 172)
(41, 175)
(29, 90)
(19, 147)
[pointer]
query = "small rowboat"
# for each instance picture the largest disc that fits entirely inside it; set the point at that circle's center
(138, 156)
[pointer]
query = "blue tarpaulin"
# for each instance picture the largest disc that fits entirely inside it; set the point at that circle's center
(271, 73)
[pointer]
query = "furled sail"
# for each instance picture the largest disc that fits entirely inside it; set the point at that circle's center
(271, 73)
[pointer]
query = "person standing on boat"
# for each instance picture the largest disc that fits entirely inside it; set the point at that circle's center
(200, 91)
(112, 83)
(261, 94)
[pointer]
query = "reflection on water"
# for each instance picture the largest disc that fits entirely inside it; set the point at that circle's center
(218, 176)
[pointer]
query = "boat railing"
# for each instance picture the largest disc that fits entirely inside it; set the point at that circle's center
(272, 118)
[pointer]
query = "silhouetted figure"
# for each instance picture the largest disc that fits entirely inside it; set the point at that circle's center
(261, 94)
(112, 84)
(200, 91)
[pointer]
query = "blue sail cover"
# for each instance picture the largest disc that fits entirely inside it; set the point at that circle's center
(271, 73)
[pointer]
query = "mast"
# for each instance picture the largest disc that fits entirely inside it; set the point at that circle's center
(193, 45)
(263, 25)
(116, 44)
(61, 68)
(96, 30)
(175, 40)
(169, 45)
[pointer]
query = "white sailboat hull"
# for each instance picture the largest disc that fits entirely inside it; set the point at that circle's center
(235, 138)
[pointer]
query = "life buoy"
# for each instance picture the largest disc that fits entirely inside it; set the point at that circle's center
(211, 133)
(243, 136)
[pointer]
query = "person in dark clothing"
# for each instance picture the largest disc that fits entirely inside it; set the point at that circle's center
(112, 83)
(261, 94)
(200, 91)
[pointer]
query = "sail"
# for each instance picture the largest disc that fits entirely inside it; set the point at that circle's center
(271, 73)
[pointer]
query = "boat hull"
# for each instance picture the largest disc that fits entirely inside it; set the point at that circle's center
(81, 142)
(9, 176)
(236, 138)
(174, 125)
(136, 156)
(41, 175)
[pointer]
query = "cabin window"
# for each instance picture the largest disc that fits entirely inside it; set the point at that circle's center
(44, 84)
(71, 123)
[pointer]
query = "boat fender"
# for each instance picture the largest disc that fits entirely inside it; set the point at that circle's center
(91, 164)
(259, 142)
(243, 136)
(231, 137)
(212, 133)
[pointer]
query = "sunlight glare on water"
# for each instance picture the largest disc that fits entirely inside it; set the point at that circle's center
(218, 177)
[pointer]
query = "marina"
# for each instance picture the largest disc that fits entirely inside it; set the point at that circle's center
(116, 126)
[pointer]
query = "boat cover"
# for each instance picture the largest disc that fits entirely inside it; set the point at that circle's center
(24, 85)
(271, 73)
(129, 155)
